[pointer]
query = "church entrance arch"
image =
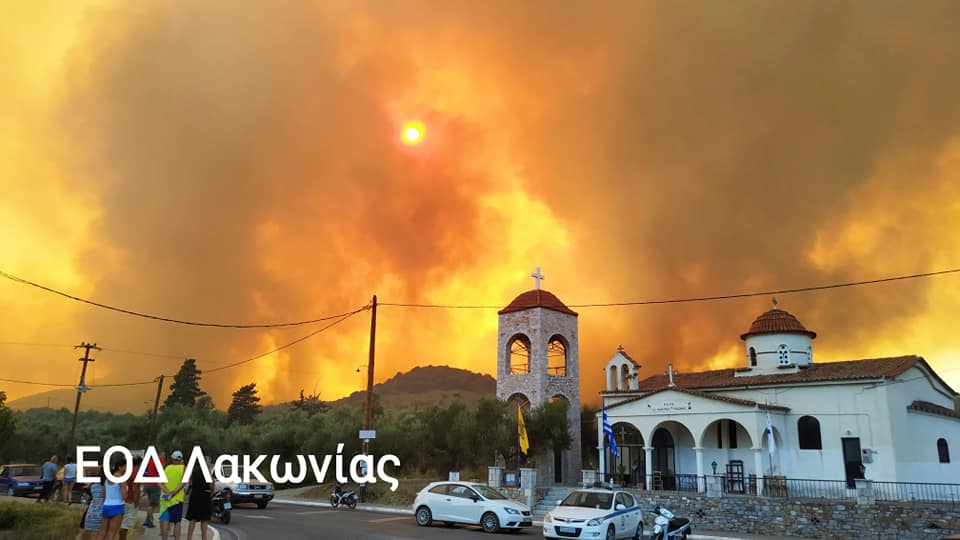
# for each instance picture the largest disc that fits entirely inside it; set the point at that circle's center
(630, 466)
(673, 456)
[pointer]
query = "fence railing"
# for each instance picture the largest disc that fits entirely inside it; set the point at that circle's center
(916, 492)
(800, 488)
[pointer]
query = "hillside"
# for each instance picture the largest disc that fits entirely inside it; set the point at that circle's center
(428, 384)
(420, 385)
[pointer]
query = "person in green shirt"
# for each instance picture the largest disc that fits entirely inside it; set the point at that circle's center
(171, 498)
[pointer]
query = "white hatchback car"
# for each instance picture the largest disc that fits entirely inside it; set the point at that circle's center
(470, 503)
(595, 513)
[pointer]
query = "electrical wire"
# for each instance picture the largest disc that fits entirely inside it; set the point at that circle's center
(23, 281)
(700, 298)
(213, 370)
(288, 344)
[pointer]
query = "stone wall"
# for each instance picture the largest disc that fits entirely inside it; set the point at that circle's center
(810, 518)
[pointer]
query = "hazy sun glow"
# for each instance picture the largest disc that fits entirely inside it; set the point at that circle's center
(412, 132)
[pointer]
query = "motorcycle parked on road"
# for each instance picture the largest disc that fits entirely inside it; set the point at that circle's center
(666, 525)
(221, 506)
(340, 497)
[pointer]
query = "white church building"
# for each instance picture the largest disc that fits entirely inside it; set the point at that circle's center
(884, 419)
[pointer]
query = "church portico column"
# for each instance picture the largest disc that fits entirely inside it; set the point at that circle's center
(648, 462)
(700, 478)
(758, 468)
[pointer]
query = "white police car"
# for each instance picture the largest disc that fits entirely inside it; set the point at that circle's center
(595, 513)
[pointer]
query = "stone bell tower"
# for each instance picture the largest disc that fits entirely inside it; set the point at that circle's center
(538, 359)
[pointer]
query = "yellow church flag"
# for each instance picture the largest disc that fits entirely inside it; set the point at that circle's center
(522, 432)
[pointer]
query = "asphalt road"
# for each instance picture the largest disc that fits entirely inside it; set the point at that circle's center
(282, 521)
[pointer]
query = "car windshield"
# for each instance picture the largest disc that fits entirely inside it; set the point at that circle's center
(31, 470)
(488, 492)
(588, 499)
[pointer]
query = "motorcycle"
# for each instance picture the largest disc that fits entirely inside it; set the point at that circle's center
(666, 525)
(222, 506)
(341, 497)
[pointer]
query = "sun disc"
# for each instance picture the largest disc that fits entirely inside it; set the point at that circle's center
(412, 132)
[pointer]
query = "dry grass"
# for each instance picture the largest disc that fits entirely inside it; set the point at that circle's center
(29, 520)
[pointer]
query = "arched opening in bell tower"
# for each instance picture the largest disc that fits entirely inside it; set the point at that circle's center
(518, 352)
(557, 356)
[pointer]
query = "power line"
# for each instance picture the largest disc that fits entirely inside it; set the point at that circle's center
(701, 298)
(220, 368)
(289, 344)
(23, 281)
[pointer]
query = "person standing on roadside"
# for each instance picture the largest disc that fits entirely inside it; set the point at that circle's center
(69, 479)
(113, 508)
(131, 500)
(171, 498)
(48, 477)
(152, 490)
(200, 504)
(92, 518)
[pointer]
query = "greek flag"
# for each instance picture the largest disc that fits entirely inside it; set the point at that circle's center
(608, 431)
(771, 443)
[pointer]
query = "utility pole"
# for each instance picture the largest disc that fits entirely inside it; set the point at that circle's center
(368, 407)
(153, 420)
(81, 388)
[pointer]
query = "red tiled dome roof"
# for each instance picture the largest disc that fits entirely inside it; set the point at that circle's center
(537, 298)
(777, 321)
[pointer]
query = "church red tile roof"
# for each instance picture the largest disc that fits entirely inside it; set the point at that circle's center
(851, 370)
(777, 321)
(537, 298)
(933, 408)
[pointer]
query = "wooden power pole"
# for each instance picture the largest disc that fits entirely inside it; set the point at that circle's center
(368, 406)
(81, 388)
(151, 437)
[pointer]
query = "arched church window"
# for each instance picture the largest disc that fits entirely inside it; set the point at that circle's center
(783, 352)
(519, 348)
(943, 450)
(557, 356)
(808, 429)
(753, 357)
(625, 373)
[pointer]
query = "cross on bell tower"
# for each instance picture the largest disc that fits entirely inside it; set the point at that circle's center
(537, 276)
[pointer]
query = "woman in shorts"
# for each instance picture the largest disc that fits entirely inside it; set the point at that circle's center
(69, 479)
(112, 505)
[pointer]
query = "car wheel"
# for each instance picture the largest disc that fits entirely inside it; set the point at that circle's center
(611, 533)
(639, 534)
(262, 504)
(490, 522)
(424, 516)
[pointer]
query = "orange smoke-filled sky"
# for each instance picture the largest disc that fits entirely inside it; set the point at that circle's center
(243, 162)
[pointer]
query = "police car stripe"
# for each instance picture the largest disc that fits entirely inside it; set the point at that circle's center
(624, 511)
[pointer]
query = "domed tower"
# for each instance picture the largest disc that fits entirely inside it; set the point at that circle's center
(777, 341)
(538, 359)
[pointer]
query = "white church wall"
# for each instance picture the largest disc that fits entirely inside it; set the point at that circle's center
(800, 350)
(843, 410)
(914, 434)
(918, 459)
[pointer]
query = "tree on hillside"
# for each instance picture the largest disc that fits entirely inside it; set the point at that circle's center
(310, 404)
(245, 406)
(185, 389)
(7, 422)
